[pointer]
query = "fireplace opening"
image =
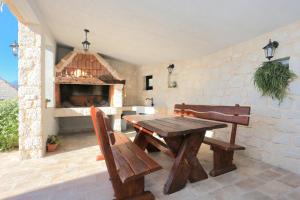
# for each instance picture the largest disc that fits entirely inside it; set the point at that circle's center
(79, 95)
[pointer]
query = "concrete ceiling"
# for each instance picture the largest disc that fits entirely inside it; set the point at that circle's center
(153, 31)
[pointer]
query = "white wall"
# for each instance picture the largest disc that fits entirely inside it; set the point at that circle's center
(225, 78)
(129, 72)
(50, 123)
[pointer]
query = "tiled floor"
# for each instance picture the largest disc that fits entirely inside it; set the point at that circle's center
(73, 173)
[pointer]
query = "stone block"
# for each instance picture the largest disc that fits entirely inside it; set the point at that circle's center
(281, 138)
(297, 141)
(292, 152)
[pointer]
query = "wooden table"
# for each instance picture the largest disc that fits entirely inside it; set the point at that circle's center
(183, 137)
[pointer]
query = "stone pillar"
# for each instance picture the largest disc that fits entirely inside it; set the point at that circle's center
(117, 100)
(118, 103)
(117, 120)
(31, 141)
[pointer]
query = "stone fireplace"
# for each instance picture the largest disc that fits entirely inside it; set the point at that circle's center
(77, 95)
(84, 79)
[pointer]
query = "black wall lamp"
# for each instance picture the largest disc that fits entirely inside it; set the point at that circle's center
(171, 84)
(86, 44)
(14, 48)
(270, 49)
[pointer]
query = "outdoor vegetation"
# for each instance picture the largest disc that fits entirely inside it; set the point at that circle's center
(8, 125)
(273, 78)
(53, 139)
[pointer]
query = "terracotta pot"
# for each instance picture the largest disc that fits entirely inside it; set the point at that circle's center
(51, 147)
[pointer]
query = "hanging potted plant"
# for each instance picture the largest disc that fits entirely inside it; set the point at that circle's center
(272, 79)
(52, 142)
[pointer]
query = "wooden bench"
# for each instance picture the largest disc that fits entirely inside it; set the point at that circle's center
(223, 151)
(120, 139)
(126, 163)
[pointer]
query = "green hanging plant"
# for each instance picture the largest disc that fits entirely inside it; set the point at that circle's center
(273, 78)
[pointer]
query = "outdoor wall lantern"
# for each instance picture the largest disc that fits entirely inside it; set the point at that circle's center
(86, 44)
(14, 48)
(171, 84)
(270, 49)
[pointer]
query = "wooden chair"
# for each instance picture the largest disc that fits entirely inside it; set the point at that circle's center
(126, 163)
(223, 151)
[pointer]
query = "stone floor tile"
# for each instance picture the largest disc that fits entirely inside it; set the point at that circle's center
(255, 195)
(292, 180)
(295, 195)
(229, 178)
(226, 193)
(268, 175)
(280, 171)
(203, 187)
(249, 184)
(275, 188)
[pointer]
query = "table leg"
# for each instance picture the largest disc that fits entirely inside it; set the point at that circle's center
(186, 165)
(140, 139)
(142, 142)
(197, 171)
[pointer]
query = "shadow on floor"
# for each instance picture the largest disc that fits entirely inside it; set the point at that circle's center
(76, 141)
(95, 186)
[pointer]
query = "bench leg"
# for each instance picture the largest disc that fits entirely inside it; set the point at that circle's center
(132, 190)
(222, 161)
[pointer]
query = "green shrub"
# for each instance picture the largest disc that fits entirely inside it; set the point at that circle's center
(53, 139)
(8, 125)
(273, 78)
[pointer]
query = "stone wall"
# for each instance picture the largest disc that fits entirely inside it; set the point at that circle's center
(31, 139)
(225, 78)
(36, 121)
(128, 72)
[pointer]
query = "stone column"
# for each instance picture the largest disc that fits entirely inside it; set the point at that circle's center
(31, 141)
(117, 103)
(117, 100)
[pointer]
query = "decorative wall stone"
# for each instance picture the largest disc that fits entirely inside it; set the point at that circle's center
(31, 141)
(226, 78)
(128, 72)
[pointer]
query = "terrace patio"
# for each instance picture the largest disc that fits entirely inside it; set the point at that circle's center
(73, 173)
(182, 73)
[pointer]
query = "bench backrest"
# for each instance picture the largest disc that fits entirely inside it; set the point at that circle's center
(105, 137)
(236, 115)
(229, 114)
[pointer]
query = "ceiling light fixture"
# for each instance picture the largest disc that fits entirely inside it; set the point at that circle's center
(86, 44)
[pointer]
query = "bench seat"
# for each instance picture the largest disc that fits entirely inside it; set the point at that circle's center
(132, 162)
(226, 146)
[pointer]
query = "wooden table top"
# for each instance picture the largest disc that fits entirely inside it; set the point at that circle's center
(172, 125)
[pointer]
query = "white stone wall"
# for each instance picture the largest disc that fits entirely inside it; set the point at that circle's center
(30, 93)
(128, 72)
(36, 121)
(225, 78)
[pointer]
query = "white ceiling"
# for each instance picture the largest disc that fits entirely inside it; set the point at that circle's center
(152, 31)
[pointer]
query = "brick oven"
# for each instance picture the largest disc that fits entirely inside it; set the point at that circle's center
(84, 79)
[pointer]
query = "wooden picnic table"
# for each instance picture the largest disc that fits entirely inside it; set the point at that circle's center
(183, 137)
